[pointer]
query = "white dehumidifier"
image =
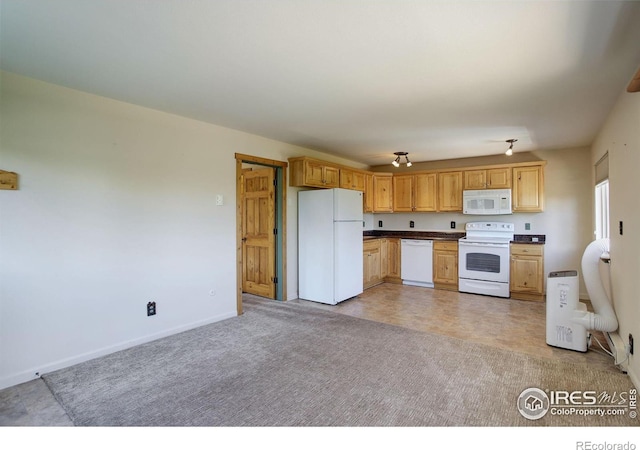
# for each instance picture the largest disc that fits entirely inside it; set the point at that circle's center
(563, 307)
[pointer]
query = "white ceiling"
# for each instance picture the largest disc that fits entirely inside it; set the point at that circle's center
(361, 79)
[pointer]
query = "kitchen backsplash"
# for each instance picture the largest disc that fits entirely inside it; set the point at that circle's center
(525, 223)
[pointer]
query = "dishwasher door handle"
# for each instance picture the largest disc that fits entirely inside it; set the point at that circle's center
(417, 242)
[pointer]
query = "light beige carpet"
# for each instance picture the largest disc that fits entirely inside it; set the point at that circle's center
(295, 365)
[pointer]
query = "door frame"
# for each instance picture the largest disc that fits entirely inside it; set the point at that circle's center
(280, 218)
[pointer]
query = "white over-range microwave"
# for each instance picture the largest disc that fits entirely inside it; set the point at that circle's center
(486, 202)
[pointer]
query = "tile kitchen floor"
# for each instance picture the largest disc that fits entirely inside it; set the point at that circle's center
(514, 325)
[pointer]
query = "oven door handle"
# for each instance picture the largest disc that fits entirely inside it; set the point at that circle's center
(478, 244)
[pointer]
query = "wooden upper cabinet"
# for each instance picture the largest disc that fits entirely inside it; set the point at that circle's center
(425, 192)
(528, 189)
(450, 191)
(439, 190)
(415, 192)
(352, 179)
(475, 179)
(367, 196)
(314, 173)
(499, 178)
(382, 192)
(403, 186)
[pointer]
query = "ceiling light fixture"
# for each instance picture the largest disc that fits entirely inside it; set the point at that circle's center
(509, 151)
(396, 162)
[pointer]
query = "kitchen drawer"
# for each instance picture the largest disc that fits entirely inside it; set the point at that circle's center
(446, 245)
(526, 249)
(371, 244)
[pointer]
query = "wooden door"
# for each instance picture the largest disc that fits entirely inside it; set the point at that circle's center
(358, 181)
(367, 198)
(384, 258)
(346, 179)
(258, 232)
(331, 177)
(526, 274)
(382, 193)
(393, 258)
(450, 191)
(445, 267)
(445, 264)
(371, 261)
(403, 193)
(475, 179)
(499, 178)
(425, 198)
(313, 173)
(528, 189)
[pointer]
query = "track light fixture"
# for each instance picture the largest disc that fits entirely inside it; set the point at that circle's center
(396, 162)
(509, 151)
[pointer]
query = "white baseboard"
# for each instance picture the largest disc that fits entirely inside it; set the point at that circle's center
(36, 372)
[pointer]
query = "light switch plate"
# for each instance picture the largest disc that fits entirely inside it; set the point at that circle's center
(219, 200)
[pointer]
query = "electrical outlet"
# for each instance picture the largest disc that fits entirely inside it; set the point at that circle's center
(453, 225)
(411, 224)
(151, 309)
(527, 226)
(379, 223)
(630, 344)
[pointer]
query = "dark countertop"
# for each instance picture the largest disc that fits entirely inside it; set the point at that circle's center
(430, 235)
(535, 239)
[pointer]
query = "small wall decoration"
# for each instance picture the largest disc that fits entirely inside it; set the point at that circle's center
(8, 180)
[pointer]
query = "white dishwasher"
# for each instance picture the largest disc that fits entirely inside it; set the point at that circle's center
(416, 262)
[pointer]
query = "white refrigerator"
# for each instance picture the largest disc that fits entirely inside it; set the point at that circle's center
(330, 225)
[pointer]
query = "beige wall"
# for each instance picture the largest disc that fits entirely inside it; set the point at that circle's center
(116, 207)
(620, 136)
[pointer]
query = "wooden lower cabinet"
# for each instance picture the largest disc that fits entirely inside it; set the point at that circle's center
(381, 261)
(445, 265)
(393, 261)
(371, 263)
(527, 272)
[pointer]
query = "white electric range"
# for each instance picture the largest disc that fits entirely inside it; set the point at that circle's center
(483, 266)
